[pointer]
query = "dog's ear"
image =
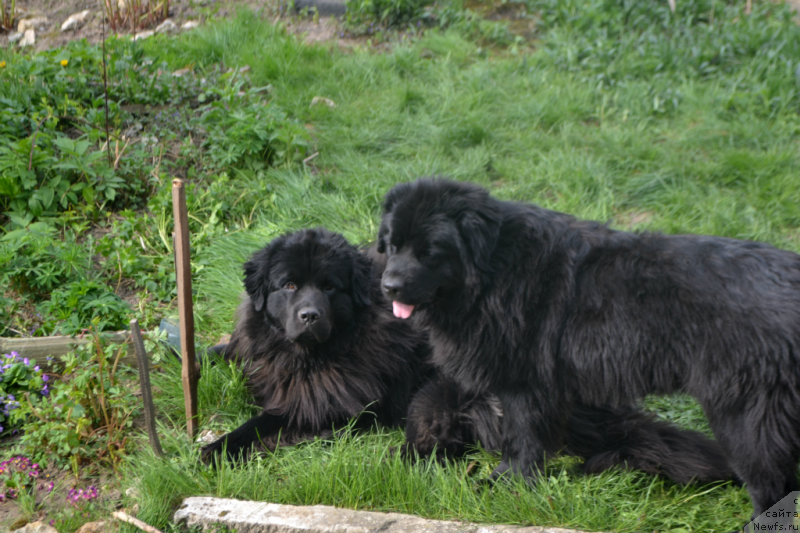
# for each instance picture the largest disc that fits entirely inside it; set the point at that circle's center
(382, 231)
(480, 230)
(396, 194)
(361, 280)
(256, 276)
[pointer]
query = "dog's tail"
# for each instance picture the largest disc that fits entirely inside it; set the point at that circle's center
(630, 438)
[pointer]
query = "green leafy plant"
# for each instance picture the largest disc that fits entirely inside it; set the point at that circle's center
(242, 130)
(33, 261)
(79, 303)
(91, 174)
(86, 416)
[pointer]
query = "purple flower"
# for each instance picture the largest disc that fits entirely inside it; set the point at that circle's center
(14, 354)
(11, 397)
(36, 368)
(26, 361)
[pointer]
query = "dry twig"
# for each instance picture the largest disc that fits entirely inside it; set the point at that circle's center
(124, 517)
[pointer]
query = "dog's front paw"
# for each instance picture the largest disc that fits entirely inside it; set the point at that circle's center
(213, 453)
(502, 471)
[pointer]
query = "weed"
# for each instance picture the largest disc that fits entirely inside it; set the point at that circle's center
(8, 13)
(385, 12)
(135, 14)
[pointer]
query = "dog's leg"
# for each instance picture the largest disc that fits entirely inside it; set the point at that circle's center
(241, 440)
(768, 481)
(763, 450)
(218, 349)
(533, 428)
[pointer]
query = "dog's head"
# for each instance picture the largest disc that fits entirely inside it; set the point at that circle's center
(439, 236)
(309, 283)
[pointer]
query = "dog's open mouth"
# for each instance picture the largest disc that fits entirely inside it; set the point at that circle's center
(402, 310)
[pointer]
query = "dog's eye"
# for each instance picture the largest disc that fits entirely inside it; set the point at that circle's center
(328, 287)
(290, 286)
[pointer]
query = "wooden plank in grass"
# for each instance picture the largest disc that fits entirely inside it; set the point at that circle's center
(40, 348)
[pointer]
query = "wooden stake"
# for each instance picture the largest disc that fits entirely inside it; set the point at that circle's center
(183, 274)
(144, 383)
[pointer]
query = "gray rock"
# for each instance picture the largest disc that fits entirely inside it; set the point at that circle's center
(143, 35)
(167, 27)
(34, 23)
(36, 527)
(190, 25)
(92, 527)
(76, 21)
(321, 100)
(28, 38)
(207, 436)
(260, 517)
(13, 37)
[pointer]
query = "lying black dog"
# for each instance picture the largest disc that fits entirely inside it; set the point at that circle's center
(317, 351)
(548, 312)
(321, 347)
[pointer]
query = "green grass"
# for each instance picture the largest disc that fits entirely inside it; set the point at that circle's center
(723, 161)
(359, 471)
(618, 112)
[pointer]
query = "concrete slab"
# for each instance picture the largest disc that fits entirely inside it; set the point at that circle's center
(260, 517)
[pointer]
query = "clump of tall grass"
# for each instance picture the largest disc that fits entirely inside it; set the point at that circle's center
(8, 13)
(135, 14)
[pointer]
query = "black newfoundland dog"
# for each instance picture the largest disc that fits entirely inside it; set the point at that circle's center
(321, 347)
(548, 312)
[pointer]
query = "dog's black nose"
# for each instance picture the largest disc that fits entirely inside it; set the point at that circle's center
(308, 315)
(392, 286)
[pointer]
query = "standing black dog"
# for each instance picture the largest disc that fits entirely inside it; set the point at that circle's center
(321, 347)
(547, 312)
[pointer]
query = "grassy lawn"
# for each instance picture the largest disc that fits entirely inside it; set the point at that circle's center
(616, 111)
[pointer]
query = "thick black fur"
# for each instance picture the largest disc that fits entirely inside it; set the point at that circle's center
(311, 376)
(446, 421)
(548, 312)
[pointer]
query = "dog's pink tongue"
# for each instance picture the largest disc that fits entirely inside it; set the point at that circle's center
(401, 310)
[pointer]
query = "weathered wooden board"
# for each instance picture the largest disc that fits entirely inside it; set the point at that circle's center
(40, 348)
